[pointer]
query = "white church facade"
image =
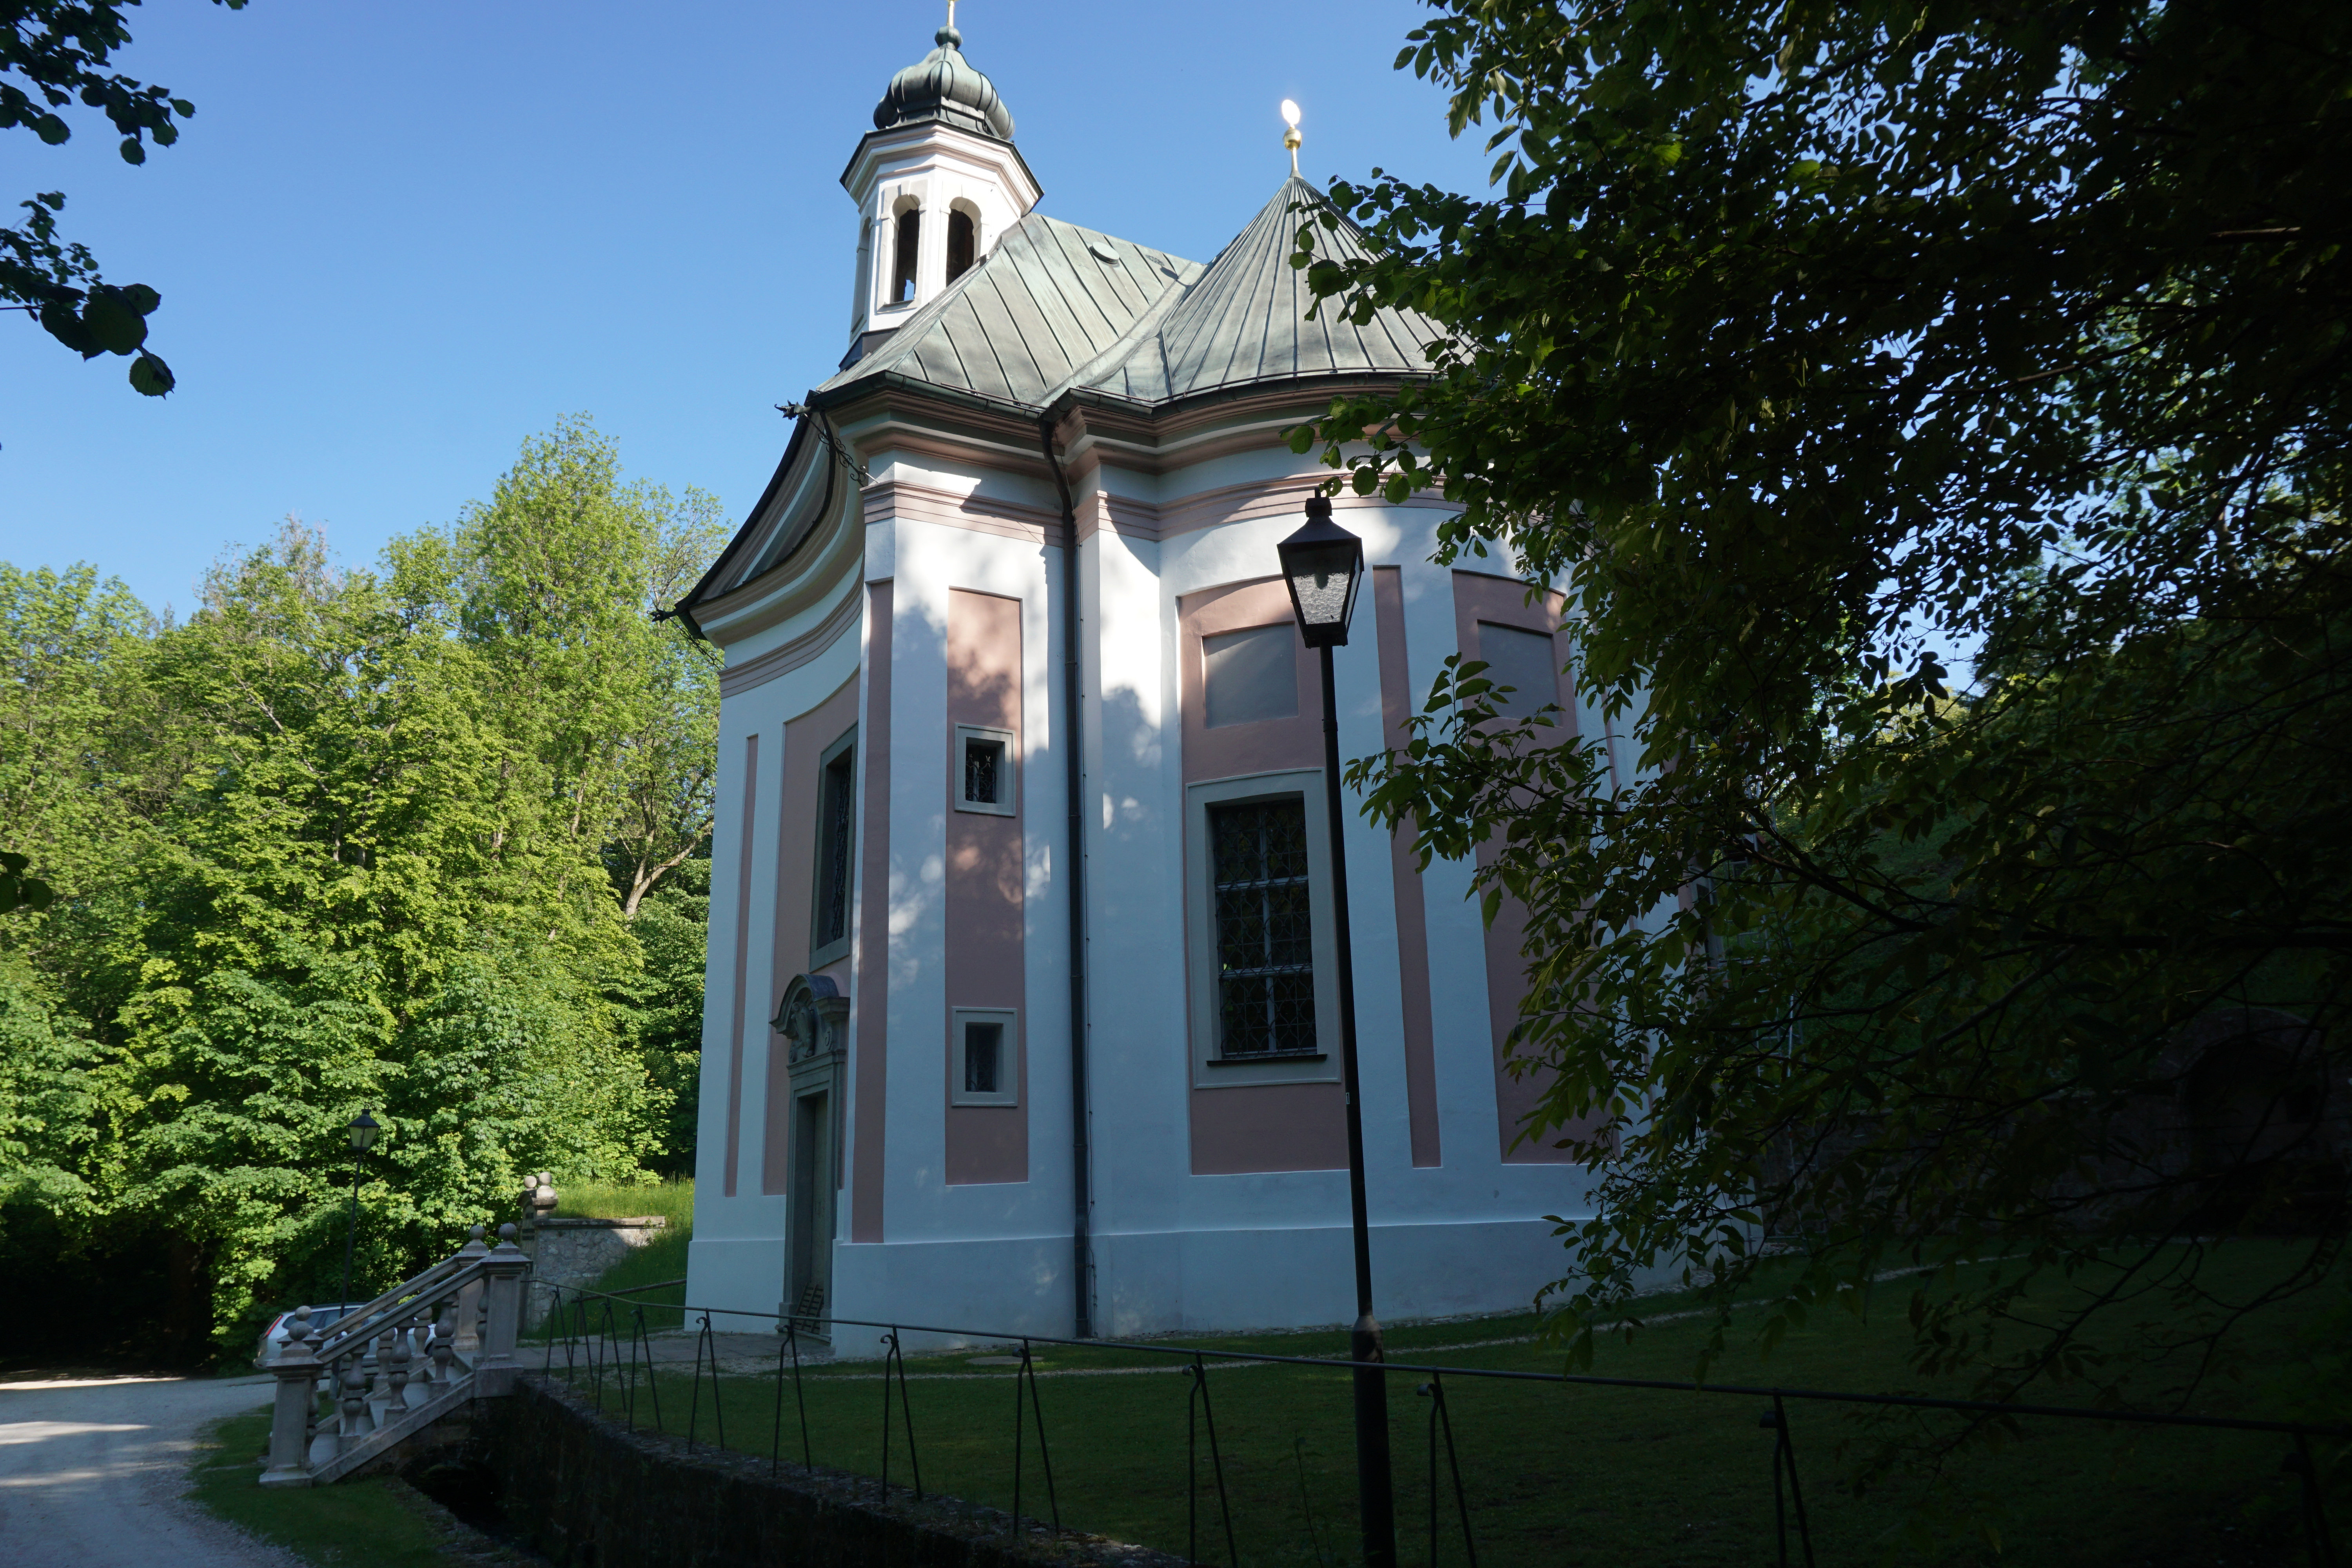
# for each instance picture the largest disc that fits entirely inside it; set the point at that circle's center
(1020, 1011)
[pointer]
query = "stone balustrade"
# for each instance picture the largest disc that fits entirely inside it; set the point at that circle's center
(391, 1368)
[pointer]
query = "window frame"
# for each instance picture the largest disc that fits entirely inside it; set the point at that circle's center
(1008, 776)
(822, 954)
(1008, 1062)
(1210, 1069)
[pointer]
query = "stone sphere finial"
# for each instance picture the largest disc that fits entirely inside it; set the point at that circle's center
(507, 1234)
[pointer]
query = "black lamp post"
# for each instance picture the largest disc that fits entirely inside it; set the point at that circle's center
(1324, 564)
(363, 1130)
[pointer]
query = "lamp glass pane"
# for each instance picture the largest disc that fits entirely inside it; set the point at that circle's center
(1319, 579)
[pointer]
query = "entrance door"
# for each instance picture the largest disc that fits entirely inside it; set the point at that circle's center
(810, 1242)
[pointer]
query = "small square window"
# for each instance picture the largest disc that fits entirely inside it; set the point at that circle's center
(986, 770)
(984, 1063)
(984, 1044)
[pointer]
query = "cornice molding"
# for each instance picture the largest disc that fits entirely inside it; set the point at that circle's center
(833, 550)
(902, 500)
(985, 151)
(805, 648)
(1130, 519)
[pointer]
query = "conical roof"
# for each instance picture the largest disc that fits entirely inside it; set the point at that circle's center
(1244, 321)
(942, 86)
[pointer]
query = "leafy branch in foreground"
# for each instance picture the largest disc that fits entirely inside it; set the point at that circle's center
(53, 55)
(1787, 335)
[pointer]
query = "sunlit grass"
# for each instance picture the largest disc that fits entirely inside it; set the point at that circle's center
(661, 1259)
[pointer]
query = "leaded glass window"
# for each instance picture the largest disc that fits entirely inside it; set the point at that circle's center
(835, 840)
(983, 1045)
(1266, 941)
(979, 759)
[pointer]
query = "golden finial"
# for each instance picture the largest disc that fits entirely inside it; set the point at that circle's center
(1290, 137)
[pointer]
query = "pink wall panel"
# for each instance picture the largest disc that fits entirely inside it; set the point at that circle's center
(1405, 877)
(805, 739)
(1503, 601)
(1255, 1127)
(985, 962)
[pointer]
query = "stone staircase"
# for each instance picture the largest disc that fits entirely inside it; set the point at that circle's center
(424, 1350)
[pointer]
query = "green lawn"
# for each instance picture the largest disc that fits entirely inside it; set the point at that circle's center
(1564, 1474)
(353, 1521)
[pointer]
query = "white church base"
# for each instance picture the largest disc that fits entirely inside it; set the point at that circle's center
(1146, 1282)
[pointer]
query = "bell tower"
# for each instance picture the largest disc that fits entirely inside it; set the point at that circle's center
(937, 182)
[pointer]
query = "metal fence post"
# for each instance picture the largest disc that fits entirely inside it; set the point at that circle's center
(1199, 1374)
(1784, 1456)
(1440, 1416)
(2314, 1506)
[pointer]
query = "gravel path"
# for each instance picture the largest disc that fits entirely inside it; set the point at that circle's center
(92, 1469)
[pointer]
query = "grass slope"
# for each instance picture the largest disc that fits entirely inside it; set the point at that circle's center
(1559, 1475)
(661, 1259)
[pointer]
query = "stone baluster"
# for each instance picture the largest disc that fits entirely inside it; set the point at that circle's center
(421, 1337)
(357, 1419)
(444, 1347)
(469, 1341)
(297, 1370)
(398, 1357)
(379, 1392)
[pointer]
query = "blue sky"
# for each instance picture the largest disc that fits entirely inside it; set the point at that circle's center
(396, 240)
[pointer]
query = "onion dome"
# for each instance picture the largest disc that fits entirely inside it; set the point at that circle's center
(944, 86)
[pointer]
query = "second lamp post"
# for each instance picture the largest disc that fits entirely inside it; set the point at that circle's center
(363, 1130)
(1323, 563)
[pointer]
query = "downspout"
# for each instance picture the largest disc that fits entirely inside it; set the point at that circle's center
(1075, 877)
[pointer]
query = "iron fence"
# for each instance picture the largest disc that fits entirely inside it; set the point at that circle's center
(597, 1344)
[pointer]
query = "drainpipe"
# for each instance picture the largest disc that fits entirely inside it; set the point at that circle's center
(1075, 877)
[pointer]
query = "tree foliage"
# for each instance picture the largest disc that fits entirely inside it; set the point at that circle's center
(347, 841)
(1792, 342)
(54, 55)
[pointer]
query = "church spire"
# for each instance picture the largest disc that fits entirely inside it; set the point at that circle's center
(942, 86)
(937, 182)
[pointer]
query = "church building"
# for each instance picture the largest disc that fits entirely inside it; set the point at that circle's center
(1022, 998)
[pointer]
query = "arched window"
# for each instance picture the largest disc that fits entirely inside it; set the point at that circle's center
(910, 239)
(960, 246)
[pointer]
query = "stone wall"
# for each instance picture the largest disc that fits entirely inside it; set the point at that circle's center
(581, 1491)
(575, 1253)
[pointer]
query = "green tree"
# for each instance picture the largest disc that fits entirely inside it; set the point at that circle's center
(1791, 342)
(350, 840)
(55, 54)
(553, 582)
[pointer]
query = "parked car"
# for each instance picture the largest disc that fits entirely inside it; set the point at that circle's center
(321, 1318)
(274, 1335)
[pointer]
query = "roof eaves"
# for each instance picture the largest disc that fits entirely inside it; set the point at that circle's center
(684, 608)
